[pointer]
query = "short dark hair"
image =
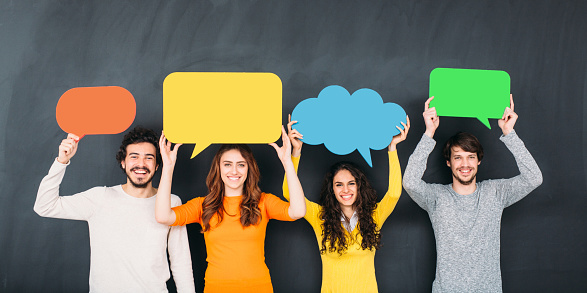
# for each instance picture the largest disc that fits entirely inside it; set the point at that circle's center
(466, 141)
(137, 135)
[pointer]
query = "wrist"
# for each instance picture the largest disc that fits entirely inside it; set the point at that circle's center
(63, 161)
(429, 133)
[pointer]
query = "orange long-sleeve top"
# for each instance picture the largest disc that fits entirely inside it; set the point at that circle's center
(236, 254)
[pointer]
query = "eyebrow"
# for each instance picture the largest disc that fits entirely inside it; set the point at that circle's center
(130, 154)
(348, 181)
(227, 161)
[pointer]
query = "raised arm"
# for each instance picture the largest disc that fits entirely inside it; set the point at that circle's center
(516, 188)
(49, 204)
(419, 190)
(297, 206)
(394, 191)
(296, 143)
(163, 212)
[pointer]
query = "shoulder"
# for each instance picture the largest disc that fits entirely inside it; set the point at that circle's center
(268, 197)
(103, 190)
(175, 200)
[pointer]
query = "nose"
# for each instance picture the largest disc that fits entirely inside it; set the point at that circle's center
(345, 188)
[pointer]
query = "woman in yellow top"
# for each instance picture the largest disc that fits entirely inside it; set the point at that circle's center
(234, 214)
(347, 220)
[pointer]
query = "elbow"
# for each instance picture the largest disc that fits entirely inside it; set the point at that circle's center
(298, 214)
(406, 184)
(160, 219)
(40, 210)
(538, 180)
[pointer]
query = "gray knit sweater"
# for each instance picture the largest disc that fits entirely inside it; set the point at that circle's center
(467, 227)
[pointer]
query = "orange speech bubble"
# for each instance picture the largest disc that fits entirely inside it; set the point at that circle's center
(96, 110)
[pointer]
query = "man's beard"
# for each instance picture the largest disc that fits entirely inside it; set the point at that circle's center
(464, 182)
(139, 185)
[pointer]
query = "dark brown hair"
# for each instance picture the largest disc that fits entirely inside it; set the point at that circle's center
(334, 237)
(213, 203)
(466, 141)
(138, 135)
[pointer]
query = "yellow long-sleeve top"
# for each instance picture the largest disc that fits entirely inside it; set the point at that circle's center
(354, 271)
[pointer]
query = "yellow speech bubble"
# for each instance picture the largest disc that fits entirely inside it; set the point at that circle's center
(221, 107)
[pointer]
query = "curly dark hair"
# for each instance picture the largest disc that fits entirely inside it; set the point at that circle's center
(334, 237)
(137, 135)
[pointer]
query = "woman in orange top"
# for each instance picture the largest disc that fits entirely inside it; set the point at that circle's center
(234, 214)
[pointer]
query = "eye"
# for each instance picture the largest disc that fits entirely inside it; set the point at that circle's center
(352, 183)
(226, 164)
(241, 165)
(338, 185)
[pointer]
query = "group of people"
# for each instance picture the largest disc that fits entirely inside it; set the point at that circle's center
(135, 228)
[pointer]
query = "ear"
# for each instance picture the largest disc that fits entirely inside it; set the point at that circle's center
(448, 163)
(123, 165)
(479, 163)
(156, 168)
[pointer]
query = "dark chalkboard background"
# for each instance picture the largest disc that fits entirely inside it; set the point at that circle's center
(48, 47)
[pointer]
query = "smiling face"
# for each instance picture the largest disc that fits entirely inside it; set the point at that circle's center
(233, 170)
(345, 188)
(140, 164)
(463, 165)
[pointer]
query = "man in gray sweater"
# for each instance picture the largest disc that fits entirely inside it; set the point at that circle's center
(128, 247)
(466, 215)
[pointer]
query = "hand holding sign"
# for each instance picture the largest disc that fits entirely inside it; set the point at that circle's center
(219, 107)
(481, 94)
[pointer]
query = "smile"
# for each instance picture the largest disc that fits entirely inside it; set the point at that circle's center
(346, 196)
(140, 171)
(465, 172)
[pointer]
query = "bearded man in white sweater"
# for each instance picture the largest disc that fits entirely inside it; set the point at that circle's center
(128, 247)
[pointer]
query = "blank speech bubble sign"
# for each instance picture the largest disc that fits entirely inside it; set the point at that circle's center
(345, 122)
(475, 93)
(96, 110)
(221, 107)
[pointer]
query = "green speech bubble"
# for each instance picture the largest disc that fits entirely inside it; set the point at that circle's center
(475, 93)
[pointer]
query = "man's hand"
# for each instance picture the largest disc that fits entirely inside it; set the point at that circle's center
(430, 118)
(67, 148)
(507, 122)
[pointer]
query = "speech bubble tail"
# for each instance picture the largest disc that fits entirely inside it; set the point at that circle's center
(199, 148)
(366, 153)
(485, 122)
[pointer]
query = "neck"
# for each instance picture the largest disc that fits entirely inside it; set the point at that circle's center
(348, 211)
(229, 192)
(133, 191)
(463, 189)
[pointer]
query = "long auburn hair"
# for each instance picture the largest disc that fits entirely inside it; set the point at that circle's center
(334, 237)
(213, 203)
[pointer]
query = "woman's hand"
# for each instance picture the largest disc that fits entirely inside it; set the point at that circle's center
(294, 137)
(403, 133)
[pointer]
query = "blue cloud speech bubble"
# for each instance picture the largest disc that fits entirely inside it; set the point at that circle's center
(345, 122)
